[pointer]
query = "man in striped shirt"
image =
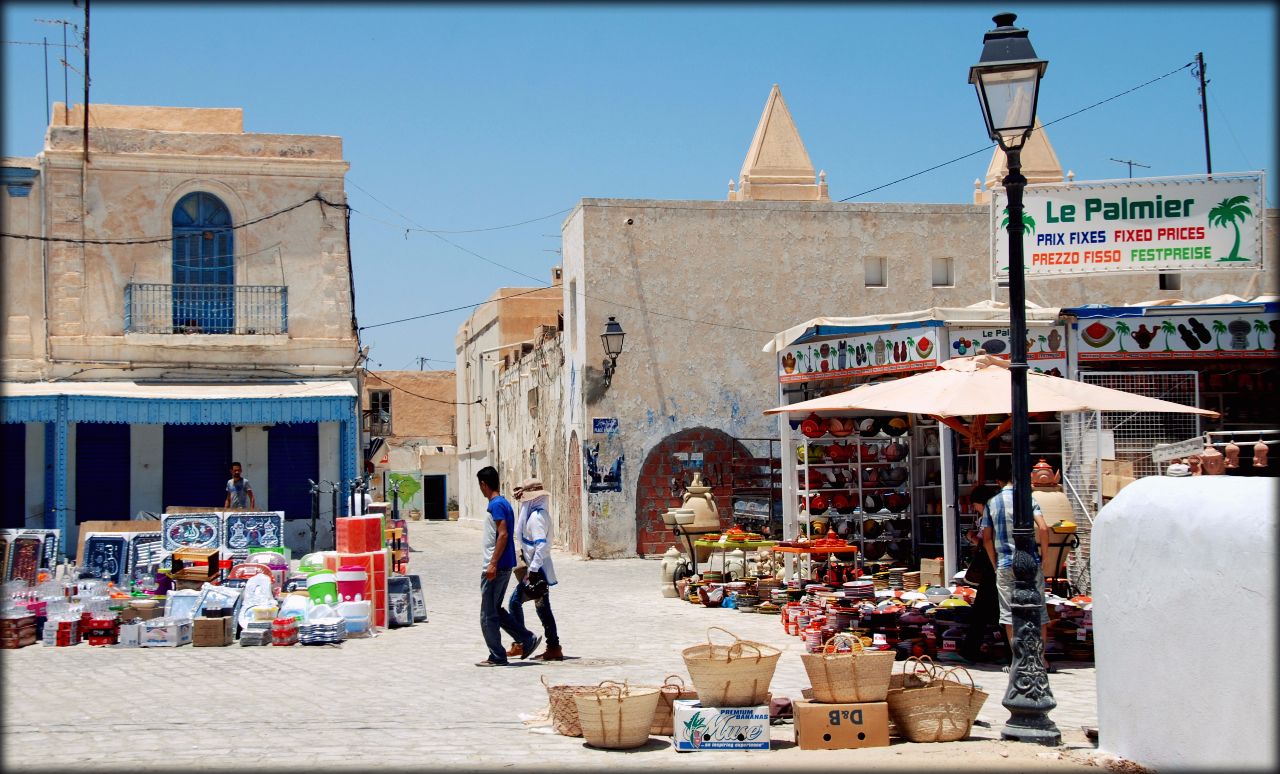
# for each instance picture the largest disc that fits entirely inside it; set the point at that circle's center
(997, 537)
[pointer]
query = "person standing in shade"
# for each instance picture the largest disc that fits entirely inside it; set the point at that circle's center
(997, 538)
(239, 491)
(532, 531)
(499, 560)
(985, 609)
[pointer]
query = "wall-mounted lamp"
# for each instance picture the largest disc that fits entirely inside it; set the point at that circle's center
(612, 339)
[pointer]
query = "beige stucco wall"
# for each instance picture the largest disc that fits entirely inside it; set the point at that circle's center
(762, 266)
(413, 413)
(21, 285)
(134, 178)
(494, 330)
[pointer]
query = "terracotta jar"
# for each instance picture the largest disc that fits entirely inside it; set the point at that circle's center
(1259, 454)
(1212, 462)
(1232, 455)
(698, 498)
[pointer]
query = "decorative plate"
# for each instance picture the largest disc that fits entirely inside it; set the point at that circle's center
(242, 531)
(104, 556)
(190, 530)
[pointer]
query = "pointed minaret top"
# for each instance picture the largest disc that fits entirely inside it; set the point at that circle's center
(777, 164)
(1039, 163)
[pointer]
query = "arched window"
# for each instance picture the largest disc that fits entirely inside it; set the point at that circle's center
(204, 273)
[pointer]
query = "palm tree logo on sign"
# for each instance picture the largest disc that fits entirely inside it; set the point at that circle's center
(1028, 226)
(1226, 214)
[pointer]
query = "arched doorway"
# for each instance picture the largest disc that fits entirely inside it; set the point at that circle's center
(573, 498)
(663, 478)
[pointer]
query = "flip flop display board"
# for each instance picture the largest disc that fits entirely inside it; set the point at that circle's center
(190, 530)
(105, 556)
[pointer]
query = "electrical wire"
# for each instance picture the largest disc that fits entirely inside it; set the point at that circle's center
(454, 309)
(157, 240)
(419, 227)
(993, 145)
(401, 388)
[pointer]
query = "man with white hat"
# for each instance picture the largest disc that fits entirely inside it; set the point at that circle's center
(532, 540)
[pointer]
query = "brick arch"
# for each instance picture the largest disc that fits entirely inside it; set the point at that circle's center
(653, 491)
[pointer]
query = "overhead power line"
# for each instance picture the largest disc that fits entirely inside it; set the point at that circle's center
(169, 238)
(989, 146)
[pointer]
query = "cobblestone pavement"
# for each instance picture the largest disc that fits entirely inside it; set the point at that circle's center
(411, 698)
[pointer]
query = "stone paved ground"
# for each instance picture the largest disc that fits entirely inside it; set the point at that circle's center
(412, 699)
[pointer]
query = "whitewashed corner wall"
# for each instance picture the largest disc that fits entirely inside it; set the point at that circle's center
(1184, 609)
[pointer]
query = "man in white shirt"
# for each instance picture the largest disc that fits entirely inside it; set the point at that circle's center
(532, 535)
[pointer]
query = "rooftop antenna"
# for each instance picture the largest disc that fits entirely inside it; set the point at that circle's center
(66, 91)
(1131, 164)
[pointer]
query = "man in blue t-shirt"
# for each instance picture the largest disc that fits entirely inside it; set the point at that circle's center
(499, 560)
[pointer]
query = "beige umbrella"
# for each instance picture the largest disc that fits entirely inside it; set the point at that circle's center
(976, 387)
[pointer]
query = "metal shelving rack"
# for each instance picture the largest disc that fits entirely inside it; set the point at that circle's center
(757, 477)
(856, 488)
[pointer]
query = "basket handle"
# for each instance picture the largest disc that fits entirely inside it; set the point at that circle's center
(947, 676)
(735, 637)
(838, 637)
(674, 681)
(922, 664)
(605, 687)
(739, 645)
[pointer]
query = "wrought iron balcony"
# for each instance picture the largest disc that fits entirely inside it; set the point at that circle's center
(203, 309)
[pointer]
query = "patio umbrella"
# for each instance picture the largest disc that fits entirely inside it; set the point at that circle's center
(977, 387)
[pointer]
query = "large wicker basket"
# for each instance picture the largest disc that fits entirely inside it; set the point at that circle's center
(736, 675)
(663, 717)
(939, 711)
(564, 712)
(617, 717)
(842, 677)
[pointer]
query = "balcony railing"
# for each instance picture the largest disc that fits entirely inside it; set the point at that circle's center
(236, 309)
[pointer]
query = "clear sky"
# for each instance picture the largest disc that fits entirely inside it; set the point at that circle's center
(472, 117)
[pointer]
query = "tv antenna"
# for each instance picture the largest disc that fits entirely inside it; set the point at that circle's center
(1131, 164)
(66, 91)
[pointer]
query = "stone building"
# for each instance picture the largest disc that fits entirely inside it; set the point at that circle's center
(496, 335)
(175, 299)
(414, 415)
(701, 286)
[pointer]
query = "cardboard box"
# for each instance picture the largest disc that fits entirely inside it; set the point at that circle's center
(213, 632)
(931, 572)
(719, 728)
(841, 726)
(169, 634)
(131, 635)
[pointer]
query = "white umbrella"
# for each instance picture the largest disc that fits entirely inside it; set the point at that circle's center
(978, 386)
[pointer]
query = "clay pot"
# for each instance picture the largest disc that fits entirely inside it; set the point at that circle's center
(897, 501)
(1259, 454)
(1232, 455)
(895, 452)
(698, 498)
(869, 427)
(1212, 462)
(871, 503)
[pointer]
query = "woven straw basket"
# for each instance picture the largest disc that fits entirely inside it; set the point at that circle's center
(843, 677)
(736, 675)
(939, 711)
(564, 712)
(617, 717)
(663, 718)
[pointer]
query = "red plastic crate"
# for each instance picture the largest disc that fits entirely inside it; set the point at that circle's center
(375, 564)
(359, 534)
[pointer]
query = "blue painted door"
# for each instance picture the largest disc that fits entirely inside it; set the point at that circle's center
(197, 463)
(13, 497)
(203, 266)
(293, 455)
(102, 472)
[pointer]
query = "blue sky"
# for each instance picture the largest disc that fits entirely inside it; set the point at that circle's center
(470, 117)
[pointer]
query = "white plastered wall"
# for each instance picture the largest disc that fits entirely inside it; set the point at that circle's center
(1184, 608)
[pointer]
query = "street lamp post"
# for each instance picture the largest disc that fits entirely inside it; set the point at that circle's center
(1007, 78)
(612, 339)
